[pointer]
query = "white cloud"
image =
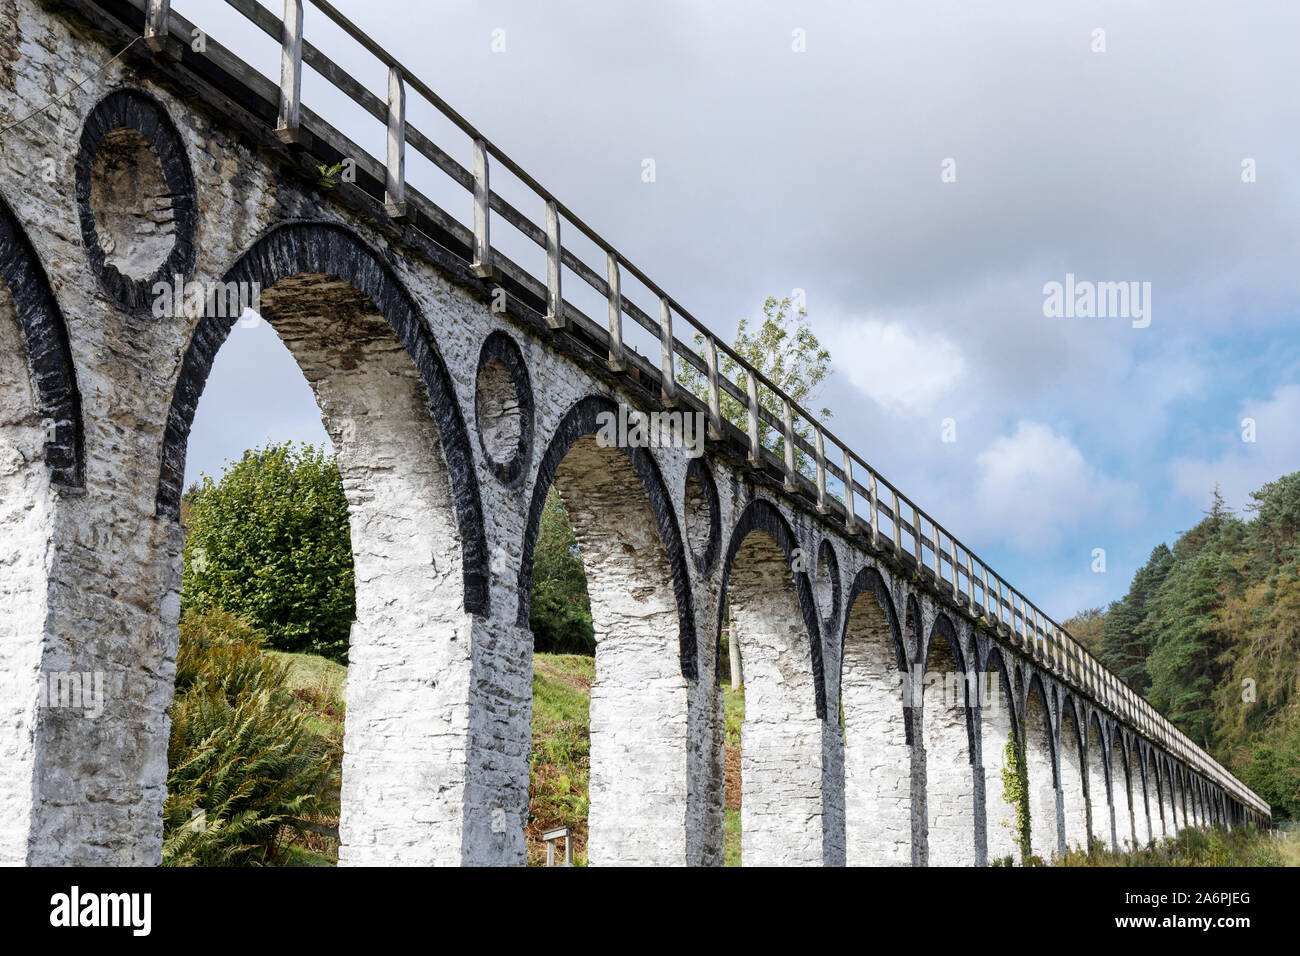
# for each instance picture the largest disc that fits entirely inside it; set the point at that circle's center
(1034, 486)
(902, 370)
(1244, 466)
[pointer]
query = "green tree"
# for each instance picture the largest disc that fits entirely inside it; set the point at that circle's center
(1125, 639)
(784, 349)
(1085, 627)
(1275, 530)
(1186, 643)
(1273, 770)
(270, 543)
(560, 610)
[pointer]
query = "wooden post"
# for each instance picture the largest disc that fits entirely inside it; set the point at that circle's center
(395, 172)
(970, 584)
(819, 444)
(898, 521)
(787, 440)
(617, 357)
(667, 359)
(715, 393)
(938, 553)
(755, 447)
(916, 539)
(155, 24)
(871, 504)
(482, 264)
(554, 300)
(288, 127)
(850, 515)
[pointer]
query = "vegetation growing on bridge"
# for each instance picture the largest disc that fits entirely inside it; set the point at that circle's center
(1015, 791)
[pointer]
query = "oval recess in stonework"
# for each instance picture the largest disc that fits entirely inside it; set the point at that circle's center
(503, 408)
(828, 581)
(703, 517)
(135, 198)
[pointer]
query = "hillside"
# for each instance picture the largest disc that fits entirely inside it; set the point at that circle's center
(560, 756)
(1209, 632)
(559, 762)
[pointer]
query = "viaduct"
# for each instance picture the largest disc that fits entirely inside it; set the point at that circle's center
(887, 667)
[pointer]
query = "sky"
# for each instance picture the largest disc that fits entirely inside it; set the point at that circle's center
(922, 172)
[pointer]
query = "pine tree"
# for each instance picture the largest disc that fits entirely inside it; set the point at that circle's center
(1125, 634)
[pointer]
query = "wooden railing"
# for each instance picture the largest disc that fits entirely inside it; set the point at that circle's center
(867, 504)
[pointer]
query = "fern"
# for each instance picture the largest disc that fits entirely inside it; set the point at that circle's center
(243, 765)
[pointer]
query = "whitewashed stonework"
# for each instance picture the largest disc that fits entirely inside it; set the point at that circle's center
(451, 419)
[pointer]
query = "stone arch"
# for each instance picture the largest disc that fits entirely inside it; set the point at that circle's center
(828, 584)
(580, 422)
(1180, 795)
(416, 528)
(1143, 830)
(296, 249)
(41, 456)
(1155, 794)
(46, 351)
(787, 814)
(1101, 821)
(762, 515)
(1171, 794)
(1074, 807)
(640, 784)
(1121, 790)
(877, 728)
(947, 742)
(1041, 766)
(137, 125)
(998, 728)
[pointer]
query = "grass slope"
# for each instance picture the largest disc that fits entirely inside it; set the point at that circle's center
(317, 685)
(558, 765)
(560, 760)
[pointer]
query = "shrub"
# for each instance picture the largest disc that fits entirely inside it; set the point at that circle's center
(270, 542)
(243, 767)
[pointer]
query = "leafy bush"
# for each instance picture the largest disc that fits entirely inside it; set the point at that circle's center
(270, 542)
(243, 767)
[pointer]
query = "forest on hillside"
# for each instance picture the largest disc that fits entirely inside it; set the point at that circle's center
(1209, 633)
